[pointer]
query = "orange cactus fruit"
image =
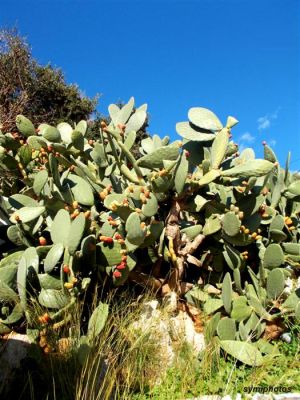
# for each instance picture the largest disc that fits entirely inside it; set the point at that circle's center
(42, 241)
(68, 285)
(66, 269)
(121, 266)
(117, 274)
(288, 221)
(87, 214)
(102, 195)
(106, 239)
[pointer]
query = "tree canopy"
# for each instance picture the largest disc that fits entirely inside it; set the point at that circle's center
(39, 92)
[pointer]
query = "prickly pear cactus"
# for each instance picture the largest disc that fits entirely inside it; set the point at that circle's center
(219, 228)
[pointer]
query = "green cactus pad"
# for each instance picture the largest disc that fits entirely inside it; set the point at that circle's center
(107, 229)
(291, 248)
(77, 140)
(51, 133)
(8, 294)
(212, 305)
(240, 239)
(97, 320)
(245, 352)
(269, 154)
(258, 307)
(49, 282)
(80, 189)
(52, 298)
(155, 231)
(219, 147)
(231, 223)
(240, 309)
(237, 279)
(232, 257)
(204, 118)
(21, 282)
(65, 131)
(252, 323)
(212, 225)
(250, 168)
(54, 169)
(211, 327)
(109, 254)
(227, 293)
(81, 127)
(60, 227)
(88, 250)
(275, 283)
(192, 231)
(273, 256)
(277, 236)
(25, 126)
(98, 155)
(209, 177)
(27, 214)
(231, 122)
(40, 180)
(150, 208)
(136, 121)
(232, 148)
(116, 198)
(291, 302)
(161, 184)
(243, 332)
(11, 260)
(294, 188)
(53, 257)
(16, 236)
(135, 234)
(24, 154)
(226, 329)
(277, 223)
(185, 130)
(181, 173)
(130, 139)
(20, 200)
(14, 316)
(155, 159)
(75, 233)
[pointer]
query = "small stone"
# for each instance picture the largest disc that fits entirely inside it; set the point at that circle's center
(287, 396)
(170, 302)
(286, 337)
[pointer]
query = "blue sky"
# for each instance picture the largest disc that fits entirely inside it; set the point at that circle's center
(236, 57)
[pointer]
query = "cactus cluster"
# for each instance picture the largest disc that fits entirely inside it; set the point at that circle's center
(219, 228)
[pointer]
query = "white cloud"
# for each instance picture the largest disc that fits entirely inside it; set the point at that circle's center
(265, 121)
(247, 137)
(273, 142)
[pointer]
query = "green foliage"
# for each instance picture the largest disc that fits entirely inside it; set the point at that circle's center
(91, 214)
(39, 92)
